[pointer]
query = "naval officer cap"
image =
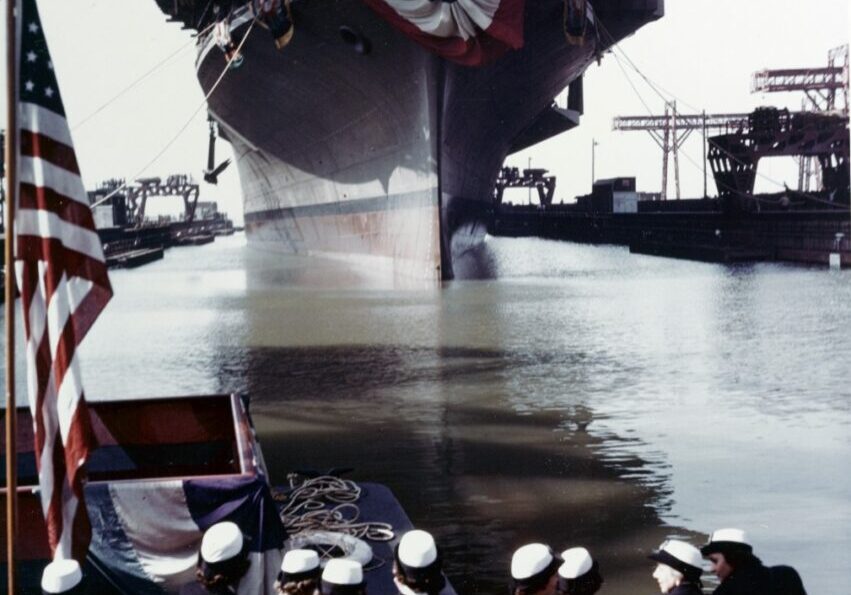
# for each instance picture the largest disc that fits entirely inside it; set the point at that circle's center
(342, 577)
(681, 556)
(418, 560)
(299, 565)
(727, 540)
(62, 576)
(223, 541)
(532, 566)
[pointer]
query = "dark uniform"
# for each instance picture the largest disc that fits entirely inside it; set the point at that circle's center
(756, 579)
(686, 589)
(196, 588)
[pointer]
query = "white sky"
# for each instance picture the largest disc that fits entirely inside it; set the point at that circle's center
(703, 52)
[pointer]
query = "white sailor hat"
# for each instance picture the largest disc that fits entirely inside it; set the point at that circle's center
(342, 576)
(681, 556)
(533, 564)
(221, 542)
(417, 549)
(725, 540)
(577, 561)
(60, 576)
(418, 559)
(299, 565)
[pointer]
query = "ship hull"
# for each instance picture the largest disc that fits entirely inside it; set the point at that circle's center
(389, 156)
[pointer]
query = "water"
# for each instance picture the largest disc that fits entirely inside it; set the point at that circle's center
(584, 396)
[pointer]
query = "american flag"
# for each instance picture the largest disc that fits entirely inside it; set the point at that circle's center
(62, 278)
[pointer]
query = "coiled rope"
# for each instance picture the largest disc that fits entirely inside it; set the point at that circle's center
(306, 509)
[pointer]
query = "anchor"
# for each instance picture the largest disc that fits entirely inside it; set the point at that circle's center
(211, 174)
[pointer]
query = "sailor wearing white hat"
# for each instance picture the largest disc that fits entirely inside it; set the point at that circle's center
(300, 572)
(741, 572)
(62, 576)
(417, 566)
(679, 568)
(579, 574)
(342, 577)
(534, 570)
(222, 561)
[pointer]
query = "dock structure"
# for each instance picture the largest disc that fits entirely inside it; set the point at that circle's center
(772, 132)
(739, 224)
(511, 177)
(672, 129)
(825, 91)
(176, 185)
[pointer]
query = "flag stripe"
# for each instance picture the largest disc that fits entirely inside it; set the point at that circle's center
(47, 199)
(45, 224)
(42, 146)
(35, 118)
(40, 172)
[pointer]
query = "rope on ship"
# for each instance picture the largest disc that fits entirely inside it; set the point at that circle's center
(306, 509)
(186, 125)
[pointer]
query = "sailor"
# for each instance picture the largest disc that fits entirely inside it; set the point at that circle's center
(679, 568)
(62, 576)
(342, 577)
(534, 570)
(740, 572)
(417, 567)
(300, 573)
(579, 574)
(222, 561)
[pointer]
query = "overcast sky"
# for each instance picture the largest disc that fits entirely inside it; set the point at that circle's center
(702, 52)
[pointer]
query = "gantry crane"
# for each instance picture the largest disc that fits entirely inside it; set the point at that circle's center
(825, 90)
(671, 130)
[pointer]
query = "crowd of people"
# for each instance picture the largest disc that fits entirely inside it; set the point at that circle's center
(536, 569)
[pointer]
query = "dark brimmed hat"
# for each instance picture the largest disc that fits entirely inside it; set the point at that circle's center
(727, 540)
(418, 559)
(681, 556)
(532, 566)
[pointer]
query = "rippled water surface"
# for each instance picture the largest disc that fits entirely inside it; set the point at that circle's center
(583, 396)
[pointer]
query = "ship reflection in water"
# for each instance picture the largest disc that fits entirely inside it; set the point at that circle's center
(582, 396)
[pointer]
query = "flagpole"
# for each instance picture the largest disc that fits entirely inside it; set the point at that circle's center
(9, 222)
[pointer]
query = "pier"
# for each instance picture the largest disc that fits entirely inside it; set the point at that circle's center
(131, 239)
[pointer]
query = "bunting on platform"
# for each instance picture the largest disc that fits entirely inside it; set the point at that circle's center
(470, 32)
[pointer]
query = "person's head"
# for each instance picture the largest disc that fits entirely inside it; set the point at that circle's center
(223, 558)
(579, 574)
(534, 570)
(417, 567)
(678, 562)
(300, 572)
(342, 577)
(62, 576)
(728, 550)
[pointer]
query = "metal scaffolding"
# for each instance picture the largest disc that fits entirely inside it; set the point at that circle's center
(671, 130)
(825, 90)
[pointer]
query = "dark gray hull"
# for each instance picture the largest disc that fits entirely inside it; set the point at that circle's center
(391, 156)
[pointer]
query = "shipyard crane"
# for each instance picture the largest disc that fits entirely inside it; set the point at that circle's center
(671, 130)
(825, 89)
